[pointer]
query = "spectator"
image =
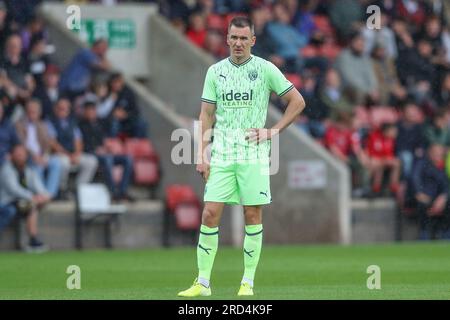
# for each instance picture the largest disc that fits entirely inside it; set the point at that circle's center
(345, 15)
(390, 89)
(48, 92)
(197, 29)
(331, 95)
(76, 77)
(383, 37)
(5, 26)
(442, 95)
(67, 143)
(287, 41)
(8, 136)
(302, 17)
(214, 44)
(22, 192)
(413, 11)
(437, 132)
(18, 78)
(94, 143)
(100, 95)
(430, 186)
(33, 133)
(356, 71)
(410, 142)
(125, 118)
(264, 47)
(342, 142)
(38, 58)
(381, 152)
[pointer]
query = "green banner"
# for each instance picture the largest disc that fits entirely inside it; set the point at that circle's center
(120, 33)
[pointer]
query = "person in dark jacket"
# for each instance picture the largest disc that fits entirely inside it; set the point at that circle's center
(8, 136)
(430, 186)
(410, 141)
(95, 144)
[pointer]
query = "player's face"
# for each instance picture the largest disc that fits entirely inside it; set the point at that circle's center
(240, 41)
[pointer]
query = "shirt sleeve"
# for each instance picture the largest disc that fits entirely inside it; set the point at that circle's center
(209, 87)
(51, 130)
(277, 81)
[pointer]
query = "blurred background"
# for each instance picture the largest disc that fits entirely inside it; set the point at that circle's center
(92, 94)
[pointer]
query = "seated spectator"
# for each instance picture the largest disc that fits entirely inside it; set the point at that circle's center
(67, 143)
(33, 29)
(413, 11)
(356, 71)
(430, 187)
(331, 96)
(48, 92)
(126, 118)
(196, 32)
(76, 77)
(214, 44)
(5, 25)
(22, 192)
(8, 136)
(33, 134)
(383, 37)
(345, 15)
(381, 152)
(342, 141)
(38, 58)
(437, 132)
(410, 142)
(287, 41)
(264, 47)
(18, 79)
(390, 89)
(95, 144)
(104, 100)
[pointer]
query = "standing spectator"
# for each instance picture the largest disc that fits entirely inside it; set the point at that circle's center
(356, 71)
(126, 117)
(48, 92)
(410, 142)
(38, 58)
(438, 132)
(76, 77)
(381, 152)
(8, 136)
(22, 192)
(430, 186)
(94, 143)
(67, 143)
(33, 134)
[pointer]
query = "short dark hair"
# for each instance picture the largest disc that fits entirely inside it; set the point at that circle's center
(242, 22)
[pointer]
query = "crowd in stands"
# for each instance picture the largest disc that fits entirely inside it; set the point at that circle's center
(378, 99)
(56, 121)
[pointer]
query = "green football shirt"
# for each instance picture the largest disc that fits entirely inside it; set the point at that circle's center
(241, 94)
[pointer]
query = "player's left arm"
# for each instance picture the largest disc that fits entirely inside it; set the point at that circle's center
(295, 105)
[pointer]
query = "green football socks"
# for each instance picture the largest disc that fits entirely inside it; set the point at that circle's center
(252, 251)
(206, 251)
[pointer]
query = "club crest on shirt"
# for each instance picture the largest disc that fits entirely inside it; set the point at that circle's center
(253, 75)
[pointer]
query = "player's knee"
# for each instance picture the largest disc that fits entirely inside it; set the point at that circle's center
(210, 217)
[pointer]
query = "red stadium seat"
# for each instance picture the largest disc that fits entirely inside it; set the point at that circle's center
(215, 21)
(140, 148)
(146, 172)
(187, 217)
(330, 51)
(177, 194)
(309, 51)
(295, 79)
(323, 24)
(380, 115)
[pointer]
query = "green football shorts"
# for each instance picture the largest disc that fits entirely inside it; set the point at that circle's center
(239, 183)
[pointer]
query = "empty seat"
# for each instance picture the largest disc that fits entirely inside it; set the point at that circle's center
(140, 148)
(146, 172)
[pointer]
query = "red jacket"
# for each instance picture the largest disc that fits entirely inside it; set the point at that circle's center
(340, 138)
(379, 146)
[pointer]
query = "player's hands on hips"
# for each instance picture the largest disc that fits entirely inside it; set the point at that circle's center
(258, 135)
(203, 169)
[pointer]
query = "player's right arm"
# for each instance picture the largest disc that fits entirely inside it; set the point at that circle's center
(207, 119)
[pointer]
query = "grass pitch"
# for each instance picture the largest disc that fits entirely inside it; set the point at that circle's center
(408, 271)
